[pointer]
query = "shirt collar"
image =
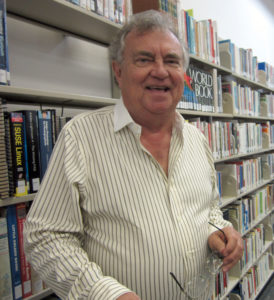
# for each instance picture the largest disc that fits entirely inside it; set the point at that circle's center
(122, 118)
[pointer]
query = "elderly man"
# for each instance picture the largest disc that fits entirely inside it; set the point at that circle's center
(131, 189)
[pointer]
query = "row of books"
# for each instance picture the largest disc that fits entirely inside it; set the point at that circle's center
(201, 37)
(17, 278)
(27, 140)
(243, 62)
(115, 10)
(246, 101)
(238, 177)
(246, 212)
(220, 286)
(251, 283)
(229, 138)
(202, 90)
(4, 60)
(169, 7)
(254, 245)
(209, 92)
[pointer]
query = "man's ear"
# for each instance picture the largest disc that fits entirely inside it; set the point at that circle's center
(116, 67)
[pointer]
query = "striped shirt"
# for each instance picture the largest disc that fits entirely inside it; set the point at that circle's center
(107, 220)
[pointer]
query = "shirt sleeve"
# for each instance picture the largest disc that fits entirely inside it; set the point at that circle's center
(216, 215)
(54, 229)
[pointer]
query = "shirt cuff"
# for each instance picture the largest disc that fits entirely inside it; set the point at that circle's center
(107, 288)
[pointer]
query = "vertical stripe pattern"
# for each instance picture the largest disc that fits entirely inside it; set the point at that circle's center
(107, 220)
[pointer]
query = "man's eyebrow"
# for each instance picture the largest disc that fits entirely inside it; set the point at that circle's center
(174, 56)
(144, 53)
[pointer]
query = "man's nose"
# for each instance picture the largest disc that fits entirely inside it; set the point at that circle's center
(159, 70)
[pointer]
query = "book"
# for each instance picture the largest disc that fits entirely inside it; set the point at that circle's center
(8, 152)
(45, 139)
(18, 153)
(4, 174)
(4, 65)
(14, 252)
(21, 213)
(5, 271)
(189, 99)
(202, 85)
(32, 143)
(168, 6)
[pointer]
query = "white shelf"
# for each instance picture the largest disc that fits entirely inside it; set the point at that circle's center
(65, 16)
(227, 200)
(24, 95)
(16, 200)
(40, 295)
(234, 157)
(203, 114)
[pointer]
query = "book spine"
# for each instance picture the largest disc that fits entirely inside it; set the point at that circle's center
(8, 152)
(26, 154)
(45, 139)
(14, 252)
(3, 67)
(18, 153)
(24, 265)
(6, 43)
(4, 175)
(5, 271)
(33, 149)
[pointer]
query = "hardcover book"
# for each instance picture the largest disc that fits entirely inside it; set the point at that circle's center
(32, 143)
(4, 65)
(21, 213)
(14, 252)
(45, 139)
(198, 89)
(18, 153)
(5, 271)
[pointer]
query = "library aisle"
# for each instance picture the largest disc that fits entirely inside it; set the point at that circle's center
(268, 291)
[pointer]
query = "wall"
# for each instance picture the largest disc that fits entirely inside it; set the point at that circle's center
(248, 23)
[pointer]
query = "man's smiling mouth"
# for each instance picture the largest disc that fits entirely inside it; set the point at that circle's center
(158, 88)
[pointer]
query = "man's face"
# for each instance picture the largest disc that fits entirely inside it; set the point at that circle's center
(151, 76)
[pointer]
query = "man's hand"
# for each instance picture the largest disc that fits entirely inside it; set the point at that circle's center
(129, 296)
(231, 251)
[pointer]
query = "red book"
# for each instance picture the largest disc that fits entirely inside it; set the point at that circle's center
(21, 212)
(212, 41)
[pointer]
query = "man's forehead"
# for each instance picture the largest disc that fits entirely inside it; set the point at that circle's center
(168, 42)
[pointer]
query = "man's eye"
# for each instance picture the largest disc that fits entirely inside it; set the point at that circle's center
(142, 60)
(173, 62)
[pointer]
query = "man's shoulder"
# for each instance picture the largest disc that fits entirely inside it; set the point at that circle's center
(191, 128)
(92, 115)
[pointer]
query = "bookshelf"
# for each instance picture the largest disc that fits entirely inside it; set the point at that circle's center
(57, 14)
(60, 13)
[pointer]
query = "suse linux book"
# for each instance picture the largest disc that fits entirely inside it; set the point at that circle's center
(18, 153)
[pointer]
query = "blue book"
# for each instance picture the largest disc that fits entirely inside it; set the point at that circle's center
(3, 49)
(262, 66)
(45, 139)
(77, 2)
(14, 252)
